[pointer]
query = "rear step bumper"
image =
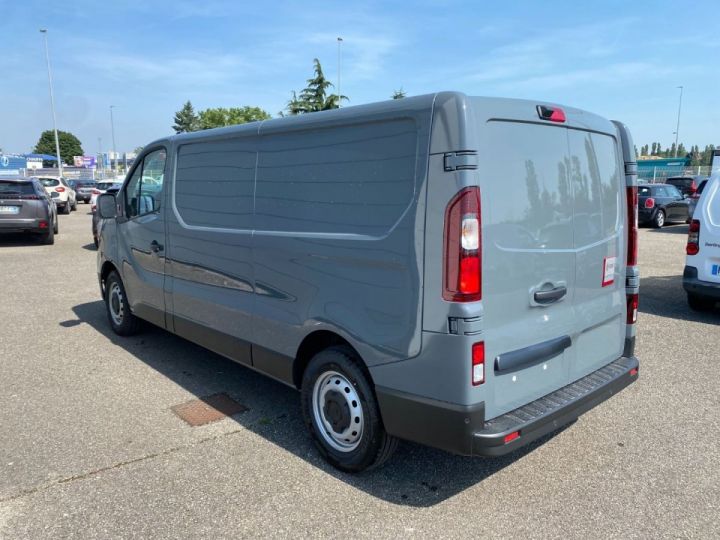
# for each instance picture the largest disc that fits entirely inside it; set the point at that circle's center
(463, 429)
(693, 285)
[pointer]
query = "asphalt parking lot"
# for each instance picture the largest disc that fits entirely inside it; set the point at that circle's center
(90, 447)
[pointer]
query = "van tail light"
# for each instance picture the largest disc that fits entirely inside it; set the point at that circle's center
(633, 301)
(60, 189)
(649, 202)
(693, 188)
(554, 114)
(478, 363)
(693, 243)
(632, 206)
(463, 248)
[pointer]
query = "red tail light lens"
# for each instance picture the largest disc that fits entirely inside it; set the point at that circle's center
(60, 189)
(649, 202)
(511, 437)
(43, 224)
(632, 205)
(693, 188)
(633, 301)
(478, 363)
(554, 114)
(463, 248)
(693, 243)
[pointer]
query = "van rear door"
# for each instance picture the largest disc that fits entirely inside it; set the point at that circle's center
(553, 264)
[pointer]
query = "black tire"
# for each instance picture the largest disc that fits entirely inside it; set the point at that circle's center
(700, 303)
(74, 206)
(48, 238)
(56, 229)
(659, 219)
(121, 319)
(66, 208)
(374, 446)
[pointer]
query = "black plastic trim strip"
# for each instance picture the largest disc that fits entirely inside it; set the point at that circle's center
(528, 356)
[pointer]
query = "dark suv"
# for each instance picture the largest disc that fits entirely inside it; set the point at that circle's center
(661, 203)
(686, 184)
(25, 207)
(84, 190)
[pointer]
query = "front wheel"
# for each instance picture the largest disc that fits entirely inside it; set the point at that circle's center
(342, 414)
(123, 322)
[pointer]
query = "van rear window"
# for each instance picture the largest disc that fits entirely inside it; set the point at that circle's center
(355, 179)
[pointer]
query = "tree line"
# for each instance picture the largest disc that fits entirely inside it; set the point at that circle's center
(316, 96)
(697, 156)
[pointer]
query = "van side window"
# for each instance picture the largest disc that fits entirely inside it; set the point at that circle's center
(144, 190)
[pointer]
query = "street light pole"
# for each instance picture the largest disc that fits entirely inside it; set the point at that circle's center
(339, 42)
(112, 129)
(677, 129)
(43, 31)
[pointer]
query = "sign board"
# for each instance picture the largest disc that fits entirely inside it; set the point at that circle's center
(85, 161)
(11, 165)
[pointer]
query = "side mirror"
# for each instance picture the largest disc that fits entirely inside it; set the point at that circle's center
(106, 206)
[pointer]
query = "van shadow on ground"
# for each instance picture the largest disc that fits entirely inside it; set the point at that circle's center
(664, 296)
(415, 476)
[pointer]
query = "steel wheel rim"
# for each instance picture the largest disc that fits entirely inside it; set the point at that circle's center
(661, 219)
(116, 304)
(333, 396)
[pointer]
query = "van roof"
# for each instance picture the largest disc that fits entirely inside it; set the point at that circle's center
(443, 102)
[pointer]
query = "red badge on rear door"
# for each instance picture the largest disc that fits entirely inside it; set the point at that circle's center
(608, 271)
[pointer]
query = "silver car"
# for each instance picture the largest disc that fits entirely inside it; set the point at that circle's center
(25, 207)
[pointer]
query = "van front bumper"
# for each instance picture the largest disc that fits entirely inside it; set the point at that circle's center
(463, 429)
(693, 285)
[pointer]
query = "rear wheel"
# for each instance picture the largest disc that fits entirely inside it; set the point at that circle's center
(48, 238)
(342, 414)
(123, 322)
(66, 208)
(659, 219)
(55, 224)
(74, 206)
(700, 303)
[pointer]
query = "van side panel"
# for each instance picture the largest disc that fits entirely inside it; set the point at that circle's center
(338, 236)
(209, 243)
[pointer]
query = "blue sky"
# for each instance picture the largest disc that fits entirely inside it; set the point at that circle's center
(619, 59)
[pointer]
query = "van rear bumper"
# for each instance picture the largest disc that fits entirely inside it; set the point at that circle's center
(463, 430)
(693, 285)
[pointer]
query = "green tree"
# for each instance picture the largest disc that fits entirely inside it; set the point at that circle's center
(220, 116)
(653, 150)
(314, 96)
(644, 150)
(399, 94)
(69, 145)
(186, 119)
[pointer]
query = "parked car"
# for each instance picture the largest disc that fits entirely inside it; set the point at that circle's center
(686, 184)
(96, 216)
(693, 199)
(65, 195)
(84, 190)
(101, 188)
(25, 207)
(660, 204)
(701, 278)
(345, 254)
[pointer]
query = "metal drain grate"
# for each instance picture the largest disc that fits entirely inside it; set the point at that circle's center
(205, 410)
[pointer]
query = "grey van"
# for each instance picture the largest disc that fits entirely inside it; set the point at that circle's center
(456, 271)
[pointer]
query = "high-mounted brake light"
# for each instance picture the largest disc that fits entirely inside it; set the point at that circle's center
(478, 363)
(553, 114)
(632, 206)
(463, 248)
(649, 202)
(693, 243)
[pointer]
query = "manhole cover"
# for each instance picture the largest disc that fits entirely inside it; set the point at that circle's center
(199, 412)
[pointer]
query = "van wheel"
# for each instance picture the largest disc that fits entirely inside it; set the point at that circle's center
(659, 220)
(123, 322)
(700, 303)
(342, 414)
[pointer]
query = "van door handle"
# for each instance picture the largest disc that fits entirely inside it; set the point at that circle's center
(548, 297)
(155, 247)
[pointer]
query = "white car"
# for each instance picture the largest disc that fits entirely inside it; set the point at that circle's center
(64, 196)
(701, 278)
(101, 187)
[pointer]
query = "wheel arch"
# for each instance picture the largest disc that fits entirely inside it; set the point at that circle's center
(315, 342)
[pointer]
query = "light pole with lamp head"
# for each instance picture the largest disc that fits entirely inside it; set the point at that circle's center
(43, 31)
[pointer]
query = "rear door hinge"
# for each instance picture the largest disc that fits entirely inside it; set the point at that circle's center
(461, 160)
